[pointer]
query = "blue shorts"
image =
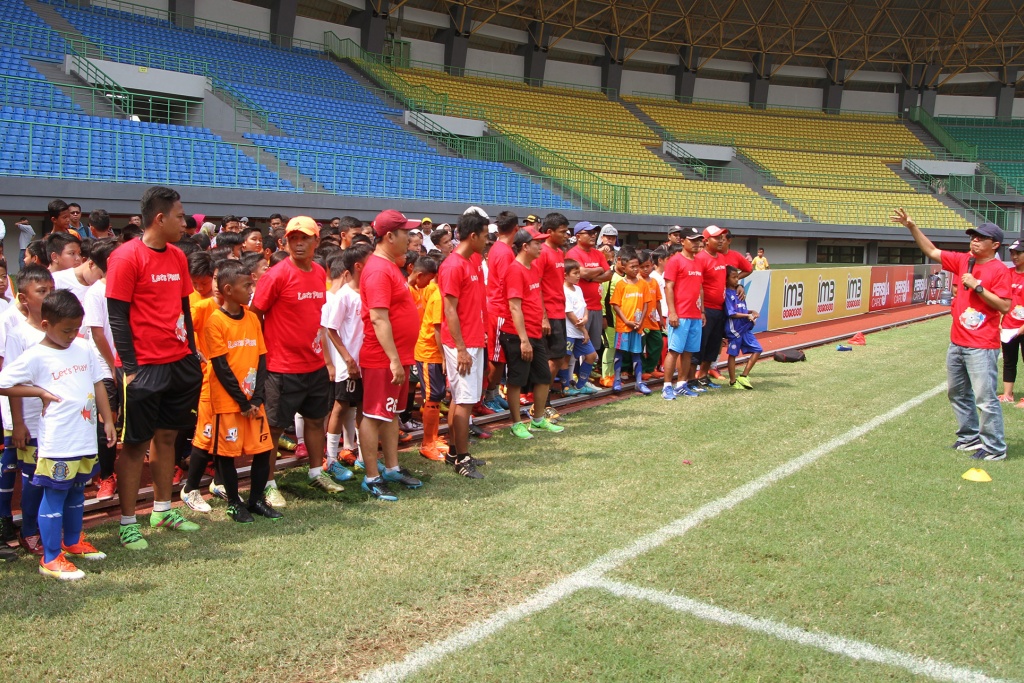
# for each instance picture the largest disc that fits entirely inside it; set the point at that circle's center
(633, 342)
(686, 337)
(581, 348)
(745, 343)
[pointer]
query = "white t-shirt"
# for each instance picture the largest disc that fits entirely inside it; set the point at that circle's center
(347, 321)
(577, 305)
(326, 314)
(68, 430)
(663, 304)
(20, 339)
(95, 305)
(65, 279)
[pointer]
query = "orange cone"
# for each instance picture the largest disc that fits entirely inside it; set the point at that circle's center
(858, 339)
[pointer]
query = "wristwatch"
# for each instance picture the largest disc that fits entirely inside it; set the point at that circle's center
(978, 288)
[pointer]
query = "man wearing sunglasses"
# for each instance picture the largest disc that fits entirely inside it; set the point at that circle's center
(984, 294)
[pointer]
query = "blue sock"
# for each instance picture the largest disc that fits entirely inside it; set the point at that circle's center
(74, 514)
(638, 367)
(583, 373)
(8, 475)
(617, 364)
(51, 521)
(563, 376)
(31, 497)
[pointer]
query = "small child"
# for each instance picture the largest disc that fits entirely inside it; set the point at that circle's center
(63, 372)
(232, 421)
(739, 328)
(430, 358)
(337, 369)
(628, 304)
(653, 322)
(580, 347)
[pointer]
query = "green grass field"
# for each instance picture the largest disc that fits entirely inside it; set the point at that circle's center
(880, 541)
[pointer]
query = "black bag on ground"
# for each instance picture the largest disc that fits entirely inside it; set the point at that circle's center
(789, 356)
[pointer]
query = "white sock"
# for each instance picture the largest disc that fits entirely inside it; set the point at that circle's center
(128, 520)
(349, 430)
(161, 505)
(300, 429)
(391, 469)
(272, 484)
(333, 442)
(315, 472)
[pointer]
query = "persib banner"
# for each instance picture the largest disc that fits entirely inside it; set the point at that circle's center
(810, 295)
(891, 287)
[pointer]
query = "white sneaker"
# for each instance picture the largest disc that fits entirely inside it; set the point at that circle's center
(194, 499)
(218, 490)
(273, 497)
(411, 426)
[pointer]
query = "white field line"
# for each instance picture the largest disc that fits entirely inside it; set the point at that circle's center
(583, 578)
(855, 649)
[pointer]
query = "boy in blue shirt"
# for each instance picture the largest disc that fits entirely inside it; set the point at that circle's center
(739, 331)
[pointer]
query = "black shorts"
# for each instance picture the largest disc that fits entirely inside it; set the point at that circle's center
(349, 392)
(434, 381)
(305, 393)
(555, 342)
(711, 336)
(163, 396)
(523, 373)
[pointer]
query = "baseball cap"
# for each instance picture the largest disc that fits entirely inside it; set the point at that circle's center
(609, 229)
(1017, 246)
(691, 233)
(303, 224)
(713, 231)
(990, 230)
(674, 229)
(244, 219)
(583, 226)
(426, 219)
(535, 235)
(532, 218)
(477, 210)
(391, 220)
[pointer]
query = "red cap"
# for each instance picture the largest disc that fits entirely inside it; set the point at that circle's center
(713, 231)
(535, 233)
(391, 220)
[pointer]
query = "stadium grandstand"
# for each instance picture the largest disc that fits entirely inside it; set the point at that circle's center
(795, 137)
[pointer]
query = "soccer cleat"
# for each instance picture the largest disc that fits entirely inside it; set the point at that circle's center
(521, 430)
(696, 387)
(643, 388)
(443, 408)
(736, 385)
(131, 537)
(401, 477)
(646, 376)
(8, 554)
(179, 474)
(195, 501)
(61, 568)
(31, 544)
(379, 490)
(658, 374)
(411, 425)
(494, 405)
(83, 550)
(8, 532)
(301, 451)
(432, 452)
(500, 400)
(545, 425)
(404, 437)
(172, 519)
(347, 456)
(668, 393)
(261, 508)
(616, 385)
(239, 513)
(339, 471)
(284, 443)
(481, 410)
(686, 390)
(107, 488)
(967, 444)
(360, 467)
(274, 498)
(218, 490)
(478, 432)
(464, 467)
(588, 389)
(982, 454)
(714, 374)
(744, 382)
(571, 391)
(706, 382)
(323, 482)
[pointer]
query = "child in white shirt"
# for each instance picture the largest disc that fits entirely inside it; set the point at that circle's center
(582, 349)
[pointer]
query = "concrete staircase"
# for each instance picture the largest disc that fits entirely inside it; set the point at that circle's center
(92, 102)
(925, 137)
(58, 23)
(270, 160)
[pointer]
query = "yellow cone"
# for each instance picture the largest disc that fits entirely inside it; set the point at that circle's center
(975, 474)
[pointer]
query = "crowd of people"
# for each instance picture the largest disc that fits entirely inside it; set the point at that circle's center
(188, 345)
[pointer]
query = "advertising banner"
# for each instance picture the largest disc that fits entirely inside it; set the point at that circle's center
(810, 295)
(891, 287)
(757, 286)
(925, 282)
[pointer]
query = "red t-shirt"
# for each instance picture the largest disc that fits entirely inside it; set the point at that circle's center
(1015, 318)
(593, 258)
(291, 300)
(499, 258)
(713, 268)
(464, 279)
(523, 283)
(738, 261)
(382, 286)
(550, 267)
(687, 279)
(153, 282)
(975, 323)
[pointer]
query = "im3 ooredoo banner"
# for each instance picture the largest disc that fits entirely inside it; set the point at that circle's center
(810, 295)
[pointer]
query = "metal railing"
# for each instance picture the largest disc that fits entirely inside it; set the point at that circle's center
(840, 181)
(962, 188)
(26, 36)
(523, 83)
(957, 148)
(770, 109)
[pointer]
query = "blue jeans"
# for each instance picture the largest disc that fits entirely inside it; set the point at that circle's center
(972, 378)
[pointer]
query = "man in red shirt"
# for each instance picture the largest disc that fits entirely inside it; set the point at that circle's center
(391, 326)
(734, 258)
(684, 283)
(594, 270)
(712, 264)
(498, 260)
(971, 361)
(288, 300)
(463, 335)
(550, 267)
(150, 319)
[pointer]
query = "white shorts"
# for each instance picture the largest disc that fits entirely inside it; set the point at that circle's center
(466, 389)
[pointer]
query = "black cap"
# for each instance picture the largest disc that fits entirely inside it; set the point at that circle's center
(692, 234)
(1017, 246)
(674, 229)
(990, 230)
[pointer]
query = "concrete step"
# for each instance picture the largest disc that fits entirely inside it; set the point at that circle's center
(925, 137)
(91, 101)
(644, 118)
(684, 169)
(50, 15)
(751, 175)
(270, 160)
